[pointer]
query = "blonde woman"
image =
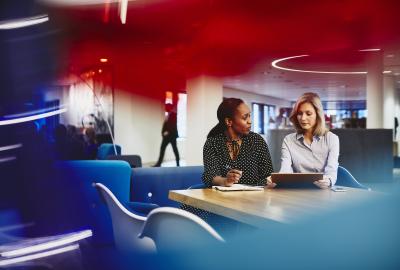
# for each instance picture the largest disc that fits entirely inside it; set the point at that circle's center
(312, 148)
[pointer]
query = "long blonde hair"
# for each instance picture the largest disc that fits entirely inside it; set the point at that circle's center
(312, 98)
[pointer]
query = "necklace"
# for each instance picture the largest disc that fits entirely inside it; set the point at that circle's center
(234, 148)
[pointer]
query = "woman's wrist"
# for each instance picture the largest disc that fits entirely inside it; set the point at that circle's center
(327, 177)
(219, 181)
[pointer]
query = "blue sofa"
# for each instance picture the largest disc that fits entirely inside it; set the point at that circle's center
(80, 204)
(80, 207)
(152, 185)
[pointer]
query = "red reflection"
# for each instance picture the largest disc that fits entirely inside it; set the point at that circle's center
(166, 42)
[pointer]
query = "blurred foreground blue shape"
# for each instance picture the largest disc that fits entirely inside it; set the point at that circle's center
(345, 178)
(363, 235)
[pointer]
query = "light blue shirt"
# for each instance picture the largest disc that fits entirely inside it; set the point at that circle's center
(321, 156)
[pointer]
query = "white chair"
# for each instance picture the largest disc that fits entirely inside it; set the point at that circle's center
(174, 229)
(126, 225)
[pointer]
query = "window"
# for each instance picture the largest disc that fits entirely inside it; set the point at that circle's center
(263, 117)
(256, 122)
(181, 114)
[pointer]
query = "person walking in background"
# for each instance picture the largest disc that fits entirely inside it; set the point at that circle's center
(169, 134)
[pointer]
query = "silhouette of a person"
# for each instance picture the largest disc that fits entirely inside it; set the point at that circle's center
(169, 134)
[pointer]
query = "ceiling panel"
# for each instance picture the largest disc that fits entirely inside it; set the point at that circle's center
(165, 42)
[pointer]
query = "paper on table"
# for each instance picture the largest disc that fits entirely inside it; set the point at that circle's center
(239, 187)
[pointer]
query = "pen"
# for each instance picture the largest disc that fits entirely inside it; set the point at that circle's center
(230, 168)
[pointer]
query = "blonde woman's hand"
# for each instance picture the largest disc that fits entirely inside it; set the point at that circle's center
(324, 183)
(269, 183)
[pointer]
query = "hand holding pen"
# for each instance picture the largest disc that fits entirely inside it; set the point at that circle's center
(233, 176)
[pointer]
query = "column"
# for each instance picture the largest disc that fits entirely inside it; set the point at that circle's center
(204, 94)
(374, 90)
(388, 101)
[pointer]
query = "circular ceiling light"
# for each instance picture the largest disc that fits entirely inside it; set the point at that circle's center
(275, 65)
(76, 2)
(369, 50)
(23, 22)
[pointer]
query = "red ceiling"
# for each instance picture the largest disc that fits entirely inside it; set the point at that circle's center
(165, 42)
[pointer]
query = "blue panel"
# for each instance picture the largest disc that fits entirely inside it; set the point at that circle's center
(159, 181)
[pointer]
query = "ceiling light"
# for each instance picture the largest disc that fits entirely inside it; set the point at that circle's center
(23, 22)
(64, 240)
(10, 147)
(6, 159)
(44, 110)
(38, 255)
(76, 2)
(123, 10)
(275, 65)
(32, 117)
(369, 50)
(103, 60)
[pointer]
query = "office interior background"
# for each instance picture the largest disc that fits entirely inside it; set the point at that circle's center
(112, 66)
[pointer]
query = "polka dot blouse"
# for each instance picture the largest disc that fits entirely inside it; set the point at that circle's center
(253, 160)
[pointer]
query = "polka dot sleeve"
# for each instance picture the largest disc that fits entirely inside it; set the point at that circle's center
(211, 163)
(264, 163)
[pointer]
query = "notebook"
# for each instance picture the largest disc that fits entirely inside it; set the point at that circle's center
(239, 187)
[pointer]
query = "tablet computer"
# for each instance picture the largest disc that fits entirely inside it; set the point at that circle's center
(296, 179)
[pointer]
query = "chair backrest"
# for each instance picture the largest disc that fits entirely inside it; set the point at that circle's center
(345, 178)
(134, 160)
(126, 225)
(107, 149)
(152, 185)
(80, 206)
(174, 229)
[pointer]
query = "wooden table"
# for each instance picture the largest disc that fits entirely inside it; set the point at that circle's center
(259, 208)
